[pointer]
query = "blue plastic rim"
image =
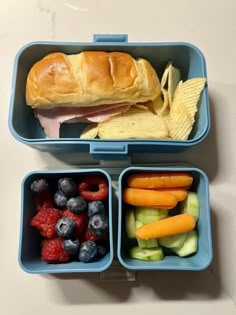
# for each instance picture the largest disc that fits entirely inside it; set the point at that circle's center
(26, 129)
(29, 239)
(199, 261)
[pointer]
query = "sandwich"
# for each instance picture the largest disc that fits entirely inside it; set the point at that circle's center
(91, 86)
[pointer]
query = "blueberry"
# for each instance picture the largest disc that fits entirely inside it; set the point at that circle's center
(65, 227)
(68, 187)
(102, 250)
(95, 207)
(87, 251)
(71, 246)
(98, 224)
(39, 185)
(60, 199)
(76, 204)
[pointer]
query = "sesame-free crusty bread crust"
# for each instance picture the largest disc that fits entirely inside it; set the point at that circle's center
(90, 78)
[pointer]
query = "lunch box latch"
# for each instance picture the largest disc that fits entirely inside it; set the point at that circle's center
(109, 150)
(110, 38)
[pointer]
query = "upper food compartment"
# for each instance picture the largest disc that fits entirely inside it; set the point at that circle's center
(26, 128)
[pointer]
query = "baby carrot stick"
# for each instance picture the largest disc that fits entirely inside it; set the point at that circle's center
(153, 180)
(179, 193)
(170, 226)
(148, 198)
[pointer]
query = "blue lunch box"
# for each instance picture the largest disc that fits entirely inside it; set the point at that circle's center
(25, 127)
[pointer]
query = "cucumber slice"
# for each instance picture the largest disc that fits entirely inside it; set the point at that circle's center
(149, 254)
(149, 215)
(145, 243)
(173, 241)
(190, 246)
(190, 205)
(141, 243)
(153, 243)
(130, 223)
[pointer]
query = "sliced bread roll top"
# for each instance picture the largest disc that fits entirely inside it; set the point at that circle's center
(90, 78)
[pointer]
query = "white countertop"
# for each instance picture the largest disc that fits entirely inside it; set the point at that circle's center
(210, 25)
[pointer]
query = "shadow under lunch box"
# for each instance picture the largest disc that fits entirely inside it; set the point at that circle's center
(26, 128)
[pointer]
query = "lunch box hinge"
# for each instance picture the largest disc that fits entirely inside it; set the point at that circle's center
(109, 151)
(110, 38)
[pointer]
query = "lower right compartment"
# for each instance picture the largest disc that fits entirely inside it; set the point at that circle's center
(164, 219)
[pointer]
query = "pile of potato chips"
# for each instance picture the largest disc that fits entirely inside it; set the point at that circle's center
(170, 116)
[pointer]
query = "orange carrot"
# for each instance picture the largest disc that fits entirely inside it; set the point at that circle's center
(148, 198)
(170, 226)
(153, 180)
(179, 193)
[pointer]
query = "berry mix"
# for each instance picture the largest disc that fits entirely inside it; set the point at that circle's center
(72, 218)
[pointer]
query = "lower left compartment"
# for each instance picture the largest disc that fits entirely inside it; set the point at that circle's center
(66, 221)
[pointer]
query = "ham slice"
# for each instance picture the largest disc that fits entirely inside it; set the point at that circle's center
(106, 114)
(51, 119)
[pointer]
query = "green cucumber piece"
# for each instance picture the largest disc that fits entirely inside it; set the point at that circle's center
(152, 243)
(149, 215)
(190, 205)
(173, 240)
(190, 246)
(145, 243)
(149, 254)
(130, 223)
(141, 243)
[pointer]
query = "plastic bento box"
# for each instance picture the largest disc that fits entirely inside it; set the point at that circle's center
(26, 129)
(198, 261)
(30, 239)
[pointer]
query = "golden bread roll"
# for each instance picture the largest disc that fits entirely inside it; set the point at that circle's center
(90, 78)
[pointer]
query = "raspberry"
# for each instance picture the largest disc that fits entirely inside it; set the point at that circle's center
(81, 221)
(43, 200)
(53, 251)
(45, 221)
(93, 188)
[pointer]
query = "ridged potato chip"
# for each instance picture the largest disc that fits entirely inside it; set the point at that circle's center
(90, 132)
(177, 90)
(133, 124)
(157, 105)
(164, 78)
(170, 80)
(173, 80)
(189, 94)
(166, 104)
(184, 107)
(160, 106)
(179, 123)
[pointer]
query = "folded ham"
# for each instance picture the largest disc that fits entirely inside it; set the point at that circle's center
(51, 119)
